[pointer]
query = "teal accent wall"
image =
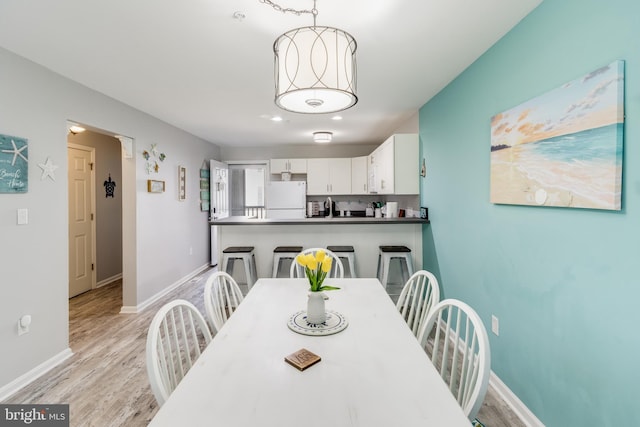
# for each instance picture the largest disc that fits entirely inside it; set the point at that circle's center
(563, 282)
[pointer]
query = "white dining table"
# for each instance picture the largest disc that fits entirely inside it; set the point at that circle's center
(373, 373)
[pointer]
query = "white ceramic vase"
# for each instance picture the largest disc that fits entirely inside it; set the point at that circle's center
(315, 308)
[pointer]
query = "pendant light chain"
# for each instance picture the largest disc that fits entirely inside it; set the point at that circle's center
(297, 12)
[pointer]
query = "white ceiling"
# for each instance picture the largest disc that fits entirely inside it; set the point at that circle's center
(191, 64)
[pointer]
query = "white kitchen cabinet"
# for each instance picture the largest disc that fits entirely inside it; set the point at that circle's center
(288, 165)
(394, 166)
(359, 177)
(329, 176)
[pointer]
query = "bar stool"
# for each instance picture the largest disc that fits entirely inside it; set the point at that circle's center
(348, 253)
(388, 253)
(244, 253)
(283, 253)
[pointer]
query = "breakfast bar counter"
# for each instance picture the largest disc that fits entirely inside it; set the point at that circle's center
(336, 220)
(365, 234)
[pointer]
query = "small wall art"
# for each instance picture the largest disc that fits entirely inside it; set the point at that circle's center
(152, 157)
(182, 183)
(204, 187)
(14, 164)
(48, 169)
(109, 188)
(154, 186)
(563, 148)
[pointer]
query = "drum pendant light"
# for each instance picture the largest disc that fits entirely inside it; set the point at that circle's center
(315, 68)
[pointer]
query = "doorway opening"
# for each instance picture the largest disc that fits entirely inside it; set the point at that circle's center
(247, 186)
(95, 178)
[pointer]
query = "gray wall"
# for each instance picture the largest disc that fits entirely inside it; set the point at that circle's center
(164, 240)
(310, 149)
(296, 151)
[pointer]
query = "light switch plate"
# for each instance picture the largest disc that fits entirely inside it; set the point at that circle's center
(23, 216)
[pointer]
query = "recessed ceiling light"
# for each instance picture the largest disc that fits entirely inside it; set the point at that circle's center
(276, 118)
(336, 118)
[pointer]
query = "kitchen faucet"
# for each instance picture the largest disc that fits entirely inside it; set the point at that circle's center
(330, 205)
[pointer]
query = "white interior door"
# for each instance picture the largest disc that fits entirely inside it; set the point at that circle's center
(82, 275)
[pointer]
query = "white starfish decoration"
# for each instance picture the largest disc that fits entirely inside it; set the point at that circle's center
(16, 152)
(48, 169)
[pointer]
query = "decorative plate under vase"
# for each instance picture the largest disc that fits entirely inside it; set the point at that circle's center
(335, 323)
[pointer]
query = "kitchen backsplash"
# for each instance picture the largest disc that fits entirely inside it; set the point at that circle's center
(359, 203)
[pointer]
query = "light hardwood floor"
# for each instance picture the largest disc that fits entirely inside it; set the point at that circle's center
(105, 382)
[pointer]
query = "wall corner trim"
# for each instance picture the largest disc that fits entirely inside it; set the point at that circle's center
(14, 386)
(520, 409)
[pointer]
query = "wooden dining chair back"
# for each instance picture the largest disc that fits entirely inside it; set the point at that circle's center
(222, 296)
(337, 269)
(457, 342)
(418, 296)
(177, 335)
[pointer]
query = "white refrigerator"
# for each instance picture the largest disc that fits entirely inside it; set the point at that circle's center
(286, 199)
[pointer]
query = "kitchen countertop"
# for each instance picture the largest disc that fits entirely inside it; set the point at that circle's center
(337, 220)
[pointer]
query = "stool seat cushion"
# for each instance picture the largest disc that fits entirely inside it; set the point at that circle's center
(296, 249)
(341, 248)
(238, 249)
(394, 249)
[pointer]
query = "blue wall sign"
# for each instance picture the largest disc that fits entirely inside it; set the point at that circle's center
(14, 165)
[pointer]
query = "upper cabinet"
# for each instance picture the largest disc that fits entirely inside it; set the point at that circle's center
(288, 165)
(328, 176)
(394, 166)
(359, 177)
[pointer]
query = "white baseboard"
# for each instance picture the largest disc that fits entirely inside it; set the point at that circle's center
(14, 386)
(134, 309)
(516, 405)
(108, 280)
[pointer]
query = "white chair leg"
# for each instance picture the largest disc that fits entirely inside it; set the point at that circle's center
(386, 260)
(276, 265)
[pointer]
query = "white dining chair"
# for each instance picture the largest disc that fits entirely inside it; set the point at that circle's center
(177, 335)
(337, 269)
(457, 342)
(418, 296)
(222, 295)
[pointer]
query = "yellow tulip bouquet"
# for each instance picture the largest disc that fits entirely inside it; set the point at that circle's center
(316, 267)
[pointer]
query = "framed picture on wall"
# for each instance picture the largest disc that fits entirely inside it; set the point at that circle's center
(182, 183)
(154, 186)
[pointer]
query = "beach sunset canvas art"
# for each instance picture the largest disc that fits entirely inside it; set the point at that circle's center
(563, 148)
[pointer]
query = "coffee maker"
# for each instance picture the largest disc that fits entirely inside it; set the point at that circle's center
(329, 207)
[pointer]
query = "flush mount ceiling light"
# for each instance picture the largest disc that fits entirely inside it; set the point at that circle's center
(315, 67)
(75, 128)
(322, 137)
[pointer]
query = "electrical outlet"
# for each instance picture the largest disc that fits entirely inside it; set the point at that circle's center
(495, 325)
